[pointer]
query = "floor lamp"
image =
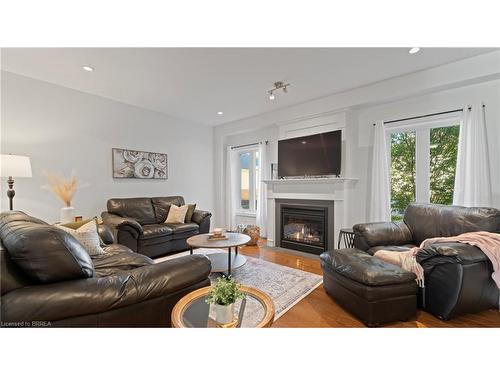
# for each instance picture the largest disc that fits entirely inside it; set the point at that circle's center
(14, 166)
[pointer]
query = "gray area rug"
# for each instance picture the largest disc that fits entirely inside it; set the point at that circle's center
(286, 286)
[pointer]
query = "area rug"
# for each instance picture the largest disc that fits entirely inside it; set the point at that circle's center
(286, 286)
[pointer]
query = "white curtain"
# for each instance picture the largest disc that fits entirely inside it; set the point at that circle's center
(231, 188)
(264, 172)
(472, 178)
(380, 192)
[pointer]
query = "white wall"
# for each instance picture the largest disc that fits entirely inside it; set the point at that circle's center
(62, 130)
(438, 89)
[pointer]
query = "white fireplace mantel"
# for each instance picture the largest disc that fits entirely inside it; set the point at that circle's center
(328, 188)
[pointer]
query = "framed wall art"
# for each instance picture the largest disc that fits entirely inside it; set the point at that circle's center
(139, 164)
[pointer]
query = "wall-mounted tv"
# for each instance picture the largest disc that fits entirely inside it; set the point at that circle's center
(313, 155)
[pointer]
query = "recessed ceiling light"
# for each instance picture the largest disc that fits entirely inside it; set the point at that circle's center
(414, 50)
(88, 68)
(220, 113)
(303, 142)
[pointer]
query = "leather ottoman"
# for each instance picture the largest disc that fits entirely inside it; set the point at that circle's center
(374, 291)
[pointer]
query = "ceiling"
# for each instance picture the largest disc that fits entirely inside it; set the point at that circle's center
(196, 83)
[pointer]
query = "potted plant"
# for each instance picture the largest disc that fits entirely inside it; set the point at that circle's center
(223, 295)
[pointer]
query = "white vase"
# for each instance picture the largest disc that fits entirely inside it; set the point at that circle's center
(67, 215)
(224, 313)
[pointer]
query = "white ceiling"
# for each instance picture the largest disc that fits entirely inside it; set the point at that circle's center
(195, 83)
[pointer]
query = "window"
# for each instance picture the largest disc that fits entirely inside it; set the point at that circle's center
(249, 180)
(423, 159)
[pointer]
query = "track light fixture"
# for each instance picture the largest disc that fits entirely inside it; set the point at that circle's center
(278, 86)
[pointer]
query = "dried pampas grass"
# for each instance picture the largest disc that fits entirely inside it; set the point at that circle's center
(62, 188)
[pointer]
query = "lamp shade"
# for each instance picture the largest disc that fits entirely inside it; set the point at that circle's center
(15, 166)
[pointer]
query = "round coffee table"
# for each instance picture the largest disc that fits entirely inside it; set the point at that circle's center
(222, 263)
(256, 311)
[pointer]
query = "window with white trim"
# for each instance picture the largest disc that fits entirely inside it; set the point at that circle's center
(249, 180)
(423, 159)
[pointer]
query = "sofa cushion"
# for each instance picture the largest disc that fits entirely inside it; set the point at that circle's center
(359, 266)
(184, 227)
(45, 253)
(434, 220)
(140, 209)
(162, 205)
(155, 230)
(118, 258)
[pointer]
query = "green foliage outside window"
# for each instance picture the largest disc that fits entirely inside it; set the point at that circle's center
(403, 172)
(443, 160)
(443, 153)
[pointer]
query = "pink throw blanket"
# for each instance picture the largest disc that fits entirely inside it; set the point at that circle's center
(488, 243)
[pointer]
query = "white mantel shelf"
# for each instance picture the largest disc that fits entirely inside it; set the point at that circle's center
(318, 180)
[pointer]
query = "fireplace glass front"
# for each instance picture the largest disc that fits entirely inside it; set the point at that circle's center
(304, 228)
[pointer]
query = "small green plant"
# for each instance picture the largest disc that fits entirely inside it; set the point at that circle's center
(225, 292)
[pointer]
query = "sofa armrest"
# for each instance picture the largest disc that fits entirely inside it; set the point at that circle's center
(57, 301)
(202, 218)
(454, 252)
(381, 234)
(106, 234)
(122, 223)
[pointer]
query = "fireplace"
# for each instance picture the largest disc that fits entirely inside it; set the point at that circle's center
(304, 225)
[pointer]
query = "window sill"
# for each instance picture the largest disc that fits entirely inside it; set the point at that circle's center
(246, 213)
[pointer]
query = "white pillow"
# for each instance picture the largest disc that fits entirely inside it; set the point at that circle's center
(176, 215)
(88, 236)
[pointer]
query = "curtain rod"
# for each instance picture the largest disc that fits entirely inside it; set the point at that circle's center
(248, 144)
(429, 115)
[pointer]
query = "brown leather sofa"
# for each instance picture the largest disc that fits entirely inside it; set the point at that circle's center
(139, 224)
(48, 279)
(457, 276)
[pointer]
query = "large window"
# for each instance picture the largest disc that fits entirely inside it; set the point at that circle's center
(423, 159)
(249, 180)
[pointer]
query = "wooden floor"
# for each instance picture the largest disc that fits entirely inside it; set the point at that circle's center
(319, 310)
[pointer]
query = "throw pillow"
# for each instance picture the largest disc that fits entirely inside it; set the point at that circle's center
(176, 215)
(87, 235)
(190, 212)
(78, 224)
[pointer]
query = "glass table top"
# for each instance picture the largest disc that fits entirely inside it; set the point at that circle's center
(199, 314)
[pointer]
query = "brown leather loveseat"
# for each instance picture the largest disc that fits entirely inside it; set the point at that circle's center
(139, 224)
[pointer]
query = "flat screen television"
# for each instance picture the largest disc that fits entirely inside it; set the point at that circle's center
(313, 155)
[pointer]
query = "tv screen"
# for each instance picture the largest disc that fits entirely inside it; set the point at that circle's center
(313, 155)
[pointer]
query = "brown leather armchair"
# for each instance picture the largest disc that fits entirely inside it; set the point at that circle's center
(457, 276)
(68, 288)
(139, 224)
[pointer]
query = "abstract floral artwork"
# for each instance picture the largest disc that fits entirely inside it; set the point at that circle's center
(139, 164)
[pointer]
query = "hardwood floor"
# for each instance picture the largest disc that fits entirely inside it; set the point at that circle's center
(319, 310)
